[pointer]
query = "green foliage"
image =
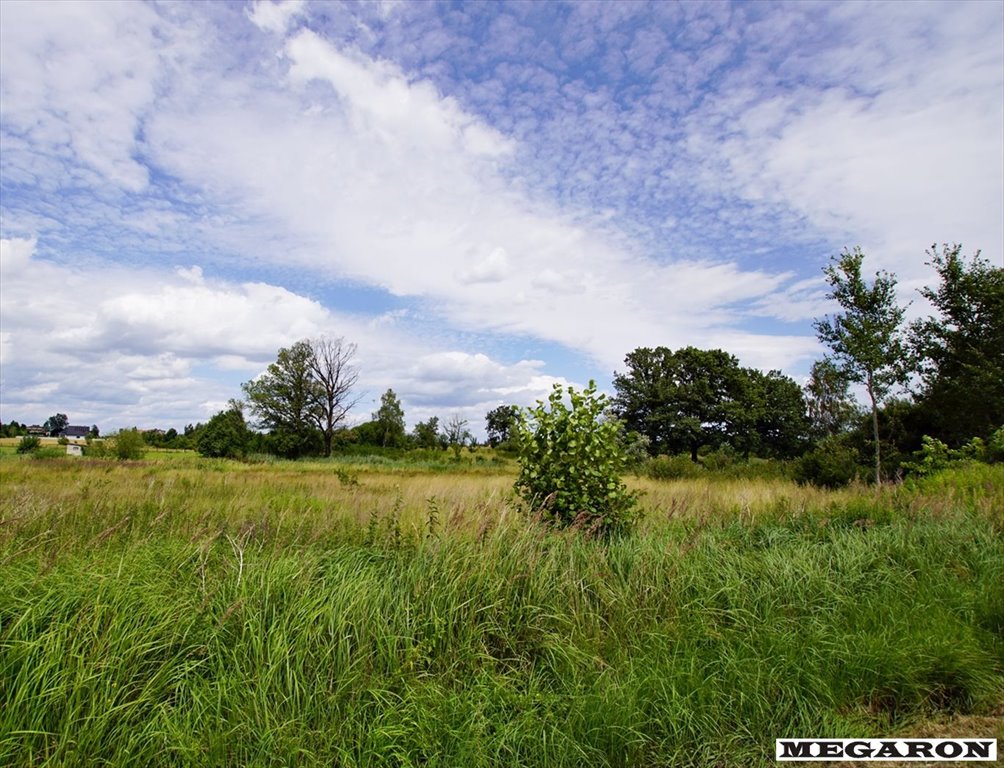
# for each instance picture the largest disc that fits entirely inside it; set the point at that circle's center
(832, 410)
(962, 350)
(769, 419)
(932, 457)
(99, 449)
(304, 395)
(282, 399)
(692, 398)
(224, 436)
(995, 447)
(571, 460)
(672, 467)
(389, 421)
(499, 424)
(56, 424)
(865, 337)
(426, 434)
(129, 445)
(29, 444)
(831, 464)
(935, 456)
(13, 429)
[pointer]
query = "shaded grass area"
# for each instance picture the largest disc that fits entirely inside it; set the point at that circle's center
(197, 618)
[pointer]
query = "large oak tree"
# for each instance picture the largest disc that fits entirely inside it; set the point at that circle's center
(691, 398)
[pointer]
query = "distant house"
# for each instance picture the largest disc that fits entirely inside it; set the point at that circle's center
(75, 432)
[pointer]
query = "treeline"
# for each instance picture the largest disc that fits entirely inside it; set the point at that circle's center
(934, 389)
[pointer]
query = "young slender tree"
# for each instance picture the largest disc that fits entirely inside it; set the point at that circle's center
(390, 420)
(831, 408)
(866, 337)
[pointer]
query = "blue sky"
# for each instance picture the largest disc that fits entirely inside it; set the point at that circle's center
(486, 198)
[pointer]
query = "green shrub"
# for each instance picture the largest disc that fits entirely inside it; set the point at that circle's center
(29, 444)
(225, 436)
(935, 456)
(97, 449)
(570, 463)
(995, 447)
(831, 464)
(673, 468)
(129, 445)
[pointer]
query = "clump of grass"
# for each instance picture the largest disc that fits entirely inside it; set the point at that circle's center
(199, 617)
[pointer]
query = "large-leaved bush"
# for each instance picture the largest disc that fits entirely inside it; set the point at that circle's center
(571, 460)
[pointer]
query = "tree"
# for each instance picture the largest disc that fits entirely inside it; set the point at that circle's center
(390, 420)
(456, 434)
(499, 423)
(832, 410)
(426, 433)
(95, 432)
(281, 399)
(866, 338)
(225, 435)
(56, 424)
(305, 392)
(129, 444)
(769, 418)
(571, 459)
(962, 351)
(680, 400)
(335, 376)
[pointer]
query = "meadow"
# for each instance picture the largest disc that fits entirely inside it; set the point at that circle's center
(180, 611)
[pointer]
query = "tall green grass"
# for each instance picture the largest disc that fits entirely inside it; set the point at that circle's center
(203, 617)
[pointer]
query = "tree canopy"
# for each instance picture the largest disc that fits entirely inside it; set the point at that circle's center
(390, 421)
(499, 424)
(685, 400)
(962, 350)
(304, 395)
(866, 336)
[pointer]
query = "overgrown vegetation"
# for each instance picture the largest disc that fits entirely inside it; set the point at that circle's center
(571, 462)
(213, 613)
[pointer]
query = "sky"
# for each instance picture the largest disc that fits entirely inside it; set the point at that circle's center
(486, 198)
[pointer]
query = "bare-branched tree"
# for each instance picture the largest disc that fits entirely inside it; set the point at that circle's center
(334, 377)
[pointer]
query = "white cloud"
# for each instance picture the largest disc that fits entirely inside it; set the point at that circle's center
(493, 268)
(383, 186)
(275, 16)
(521, 184)
(123, 352)
(904, 149)
(77, 77)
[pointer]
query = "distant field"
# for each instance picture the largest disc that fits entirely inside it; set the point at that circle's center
(185, 612)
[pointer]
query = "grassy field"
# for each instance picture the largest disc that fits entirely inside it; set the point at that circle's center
(179, 611)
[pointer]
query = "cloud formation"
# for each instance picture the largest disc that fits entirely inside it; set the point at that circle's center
(447, 184)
